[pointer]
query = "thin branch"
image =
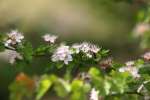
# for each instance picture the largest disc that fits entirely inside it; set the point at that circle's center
(128, 92)
(142, 86)
(10, 48)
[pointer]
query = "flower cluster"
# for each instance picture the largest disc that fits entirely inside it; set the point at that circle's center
(87, 48)
(131, 68)
(14, 37)
(146, 56)
(50, 38)
(94, 94)
(106, 63)
(13, 56)
(62, 53)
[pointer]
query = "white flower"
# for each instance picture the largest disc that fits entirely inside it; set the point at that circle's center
(86, 48)
(146, 56)
(76, 48)
(94, 94)
(8, 42)
(14, 37)
(94, 48)
(89, 55)
(130, 63)
(63, 53)
(131, 69)
(13, 56)
(50, 38)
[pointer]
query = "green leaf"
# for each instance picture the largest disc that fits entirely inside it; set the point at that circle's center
(59, 64)
(147, 86)
(139, 63)
(76, 85)
(87, 87)
(107, 87)
(42, 49)
(78, 90)
(145, 69)
(44, 85)
(62, 88)
(104, 52)
(26, 51)
(94, 72)
(119, 81)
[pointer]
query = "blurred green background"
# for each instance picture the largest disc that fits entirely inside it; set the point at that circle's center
(104, 22)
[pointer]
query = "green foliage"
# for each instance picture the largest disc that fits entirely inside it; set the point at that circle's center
(44, 84)
(79, 90)
(26, 50)
(78, 78)
(145, 69)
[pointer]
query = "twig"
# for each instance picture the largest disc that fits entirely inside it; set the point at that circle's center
(10, 48)
(142, 86)
(128, 92)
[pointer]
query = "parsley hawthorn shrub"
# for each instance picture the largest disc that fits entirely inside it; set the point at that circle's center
(88, 73)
